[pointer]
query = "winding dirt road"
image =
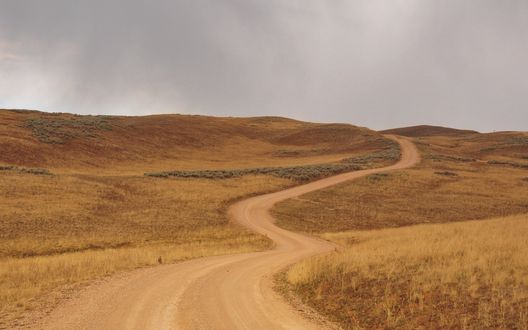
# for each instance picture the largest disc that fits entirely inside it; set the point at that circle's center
(225, 292)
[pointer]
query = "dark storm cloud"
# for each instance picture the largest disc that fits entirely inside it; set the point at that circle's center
(375, 63)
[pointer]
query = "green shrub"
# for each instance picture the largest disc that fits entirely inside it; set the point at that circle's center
(58, 130)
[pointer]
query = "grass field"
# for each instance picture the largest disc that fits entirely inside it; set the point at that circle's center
(83, 197)
(62, 230)
(466, 275)
(430, 272)
(455, 181)
(76, 204)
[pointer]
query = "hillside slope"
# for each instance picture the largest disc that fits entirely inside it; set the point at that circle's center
(98, 214)
(139, 144)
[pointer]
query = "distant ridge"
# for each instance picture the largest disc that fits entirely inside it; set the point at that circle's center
(427, 130)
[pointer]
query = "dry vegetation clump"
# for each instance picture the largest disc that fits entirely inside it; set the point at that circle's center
(446, 173)
(296, 173)
(36, 171)
(439, 158)
(53, 129)
(461, 275)
(296, 152)
(508, 163)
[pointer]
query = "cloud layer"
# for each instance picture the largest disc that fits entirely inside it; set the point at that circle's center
(376, 63)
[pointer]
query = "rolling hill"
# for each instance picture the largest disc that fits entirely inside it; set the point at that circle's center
(427, 130)
(62, 141)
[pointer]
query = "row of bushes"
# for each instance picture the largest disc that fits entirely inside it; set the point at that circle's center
(508, 163)
(446, 173)
(297, 173)
(36, 171)
(440, 157)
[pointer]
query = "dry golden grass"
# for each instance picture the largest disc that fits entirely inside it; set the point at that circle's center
(447, 186)
(44, 215)
(97, 214)
(451, 275)
(35, 283)
(408, 197)
(461, 275)
(58, 230)
(512, 146)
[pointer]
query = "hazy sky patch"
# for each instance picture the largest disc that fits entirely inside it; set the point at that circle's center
(373, 63)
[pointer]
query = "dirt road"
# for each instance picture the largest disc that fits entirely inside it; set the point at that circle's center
(226, 292)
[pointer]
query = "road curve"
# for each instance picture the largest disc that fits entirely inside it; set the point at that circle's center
(225, 292)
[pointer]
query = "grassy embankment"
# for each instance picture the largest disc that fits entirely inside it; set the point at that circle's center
(458, 275)
(75, 203)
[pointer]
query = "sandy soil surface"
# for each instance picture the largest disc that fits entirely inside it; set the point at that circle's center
(225, 292)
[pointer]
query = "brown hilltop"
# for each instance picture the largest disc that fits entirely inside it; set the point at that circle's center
(427, 130)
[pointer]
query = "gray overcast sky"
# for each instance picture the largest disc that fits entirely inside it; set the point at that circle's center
(375, 63)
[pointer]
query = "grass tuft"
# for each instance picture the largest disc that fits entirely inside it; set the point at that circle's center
(446, 173)
(296, 173)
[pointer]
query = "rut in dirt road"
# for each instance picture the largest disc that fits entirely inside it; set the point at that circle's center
(226, 292)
